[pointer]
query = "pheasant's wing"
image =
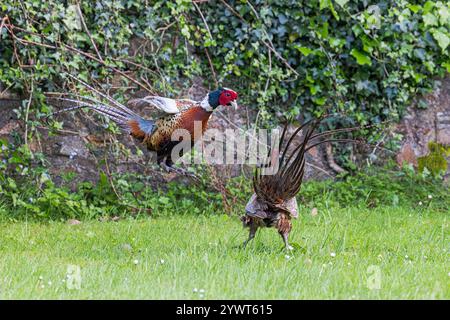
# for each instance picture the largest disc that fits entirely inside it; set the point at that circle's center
(161, 106)
(256, 208)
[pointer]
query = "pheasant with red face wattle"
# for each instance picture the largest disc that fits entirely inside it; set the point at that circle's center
(168, 115)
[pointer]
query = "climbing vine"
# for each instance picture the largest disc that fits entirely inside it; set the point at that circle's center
(367, 58)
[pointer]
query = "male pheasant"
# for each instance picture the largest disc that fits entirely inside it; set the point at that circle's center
(273, 203)
(169, 115)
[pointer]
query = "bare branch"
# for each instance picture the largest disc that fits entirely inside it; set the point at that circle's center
(27, 111)
(330, 158)
(64, 46)
(80, 13)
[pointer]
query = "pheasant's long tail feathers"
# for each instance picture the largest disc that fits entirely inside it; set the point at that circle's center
(120, 117)
(112, 101)
(126, 119)
(286, 182)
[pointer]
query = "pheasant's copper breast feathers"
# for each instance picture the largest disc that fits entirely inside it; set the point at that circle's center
(159, 132)
(187, 120)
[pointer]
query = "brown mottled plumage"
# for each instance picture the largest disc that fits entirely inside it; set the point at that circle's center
(273, 203)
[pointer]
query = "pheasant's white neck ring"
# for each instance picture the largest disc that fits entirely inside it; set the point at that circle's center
(205, 104)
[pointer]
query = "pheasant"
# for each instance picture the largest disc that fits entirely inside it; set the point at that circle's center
(273, 203)
(169, 115)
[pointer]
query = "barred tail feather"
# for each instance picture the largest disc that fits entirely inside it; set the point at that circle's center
(117, 116)
(116, 104)
(127, 121)
(287, 181)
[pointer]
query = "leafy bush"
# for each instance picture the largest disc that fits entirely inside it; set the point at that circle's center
(367, 58)
(132, 196)
(380, 187)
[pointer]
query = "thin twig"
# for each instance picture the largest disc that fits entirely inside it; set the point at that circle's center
(233, 11)
(268, 44)
(283, 60)
(203, 18)
(2, 24)
(165, 27)
(270, 70)
(70, 48)
(330, 158)
(108, 172)
(27, 111)
(212, 68)
(80, 13)
(318, 168)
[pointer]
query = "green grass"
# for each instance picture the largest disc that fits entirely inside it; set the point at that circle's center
(409, 248)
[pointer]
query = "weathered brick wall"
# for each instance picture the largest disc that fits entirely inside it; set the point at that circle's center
(421, 126)
(82, 146)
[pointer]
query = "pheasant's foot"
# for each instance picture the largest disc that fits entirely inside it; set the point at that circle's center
(179, 171)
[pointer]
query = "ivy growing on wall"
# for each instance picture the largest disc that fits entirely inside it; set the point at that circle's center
(367, 58)
(285, 57)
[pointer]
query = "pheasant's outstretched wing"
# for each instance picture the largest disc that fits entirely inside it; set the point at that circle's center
(161, 106)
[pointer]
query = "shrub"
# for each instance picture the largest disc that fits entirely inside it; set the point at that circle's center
(365, 58)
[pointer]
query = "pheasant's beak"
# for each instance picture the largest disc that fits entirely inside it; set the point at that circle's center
(234, 104)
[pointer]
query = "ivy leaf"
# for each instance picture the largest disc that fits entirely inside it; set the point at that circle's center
(323, 4)
(323, 32)
(283, 19)
(333, 11)
(320, 101)
(305, 50)
(342, 3)
(414, 7)
(185, 32)
(360, 57)
(428, 6)
(442, 39)
(72, 20)
(447, 66)
(444, 15)
(430, 20)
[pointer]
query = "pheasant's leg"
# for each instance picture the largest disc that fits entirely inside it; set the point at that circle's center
(168, 166)
(285, 236)
(251, 234)
(284, 227)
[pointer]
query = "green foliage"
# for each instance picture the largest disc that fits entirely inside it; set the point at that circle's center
(380, 187)
(435, 161)
(367, 58)
(29, 193)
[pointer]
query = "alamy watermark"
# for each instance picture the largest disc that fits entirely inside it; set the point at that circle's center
(73, 281)
(229, 147)
(374, 277)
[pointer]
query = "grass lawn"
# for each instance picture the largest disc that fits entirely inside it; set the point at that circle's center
(339, 253)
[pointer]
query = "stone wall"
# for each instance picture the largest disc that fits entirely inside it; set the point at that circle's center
(85, 148)
(421, 126)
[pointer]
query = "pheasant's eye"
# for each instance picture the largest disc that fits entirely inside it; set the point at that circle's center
(227, 94)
